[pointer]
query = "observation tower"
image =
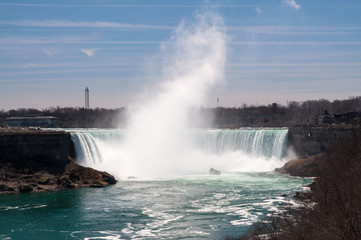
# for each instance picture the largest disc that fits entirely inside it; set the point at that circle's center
(86, 98)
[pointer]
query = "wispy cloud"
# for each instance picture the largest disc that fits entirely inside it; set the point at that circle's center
(51, 51)
(309, 64)
(258, 10)
(292, 4)
(288, 29)
(89, 52)
(294, 43)
(83, 24)
(104, 5)
(127, 5)
(68, 40)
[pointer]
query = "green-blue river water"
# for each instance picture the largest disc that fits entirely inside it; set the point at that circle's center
(188, 203)
(189, 207)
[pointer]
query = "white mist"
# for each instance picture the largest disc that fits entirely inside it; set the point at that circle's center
(155, 144)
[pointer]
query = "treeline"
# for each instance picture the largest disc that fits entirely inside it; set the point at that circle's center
(272, 115)
(335, 211)
(70, 117)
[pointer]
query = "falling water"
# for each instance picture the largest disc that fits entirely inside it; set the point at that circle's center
(247, 150)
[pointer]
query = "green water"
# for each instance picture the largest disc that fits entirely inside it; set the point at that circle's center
(188, 207)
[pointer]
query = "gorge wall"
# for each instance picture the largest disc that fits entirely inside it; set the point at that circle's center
(34, 160)
(311, 140)
(35, 149)
(49, 150)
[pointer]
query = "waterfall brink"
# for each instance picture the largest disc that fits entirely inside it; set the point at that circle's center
(249, 150)
(89, 144)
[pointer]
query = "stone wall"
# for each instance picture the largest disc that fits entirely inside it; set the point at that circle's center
(311, 140)
(34, 150)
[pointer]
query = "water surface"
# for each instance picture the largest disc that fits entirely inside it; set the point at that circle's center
(198, 206)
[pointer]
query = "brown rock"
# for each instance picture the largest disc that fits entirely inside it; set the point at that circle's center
(44, 180)
(14, 180)
(303, 167)
(6, 188)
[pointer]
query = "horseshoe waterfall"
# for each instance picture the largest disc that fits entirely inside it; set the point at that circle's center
(246, 150)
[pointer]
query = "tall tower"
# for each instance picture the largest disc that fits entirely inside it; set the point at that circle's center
(86, 98)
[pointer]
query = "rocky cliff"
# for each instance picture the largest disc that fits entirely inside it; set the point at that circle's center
(311, 140)
(33, 149)
(33, 160)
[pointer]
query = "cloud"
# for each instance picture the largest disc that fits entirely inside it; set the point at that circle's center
(292, 4)
(67, 40)
(293, 43)
(80, 24)
(89, 52)
(124, 5)
(51, 51)
(258, 10)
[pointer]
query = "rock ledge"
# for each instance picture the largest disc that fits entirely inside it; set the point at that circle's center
(13, 180)
(302, 167)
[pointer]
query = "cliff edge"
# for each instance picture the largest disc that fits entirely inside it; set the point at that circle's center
(34, 160)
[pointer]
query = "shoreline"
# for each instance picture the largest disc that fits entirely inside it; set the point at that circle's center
(335, 196)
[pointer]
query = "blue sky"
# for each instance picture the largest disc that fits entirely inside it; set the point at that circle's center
(278, 50)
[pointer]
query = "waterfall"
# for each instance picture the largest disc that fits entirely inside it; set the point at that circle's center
(244, 149)
(88, 144)
(255, 142)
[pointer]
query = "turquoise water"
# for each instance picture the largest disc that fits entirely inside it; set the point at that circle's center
(188, 207)
(186, 204)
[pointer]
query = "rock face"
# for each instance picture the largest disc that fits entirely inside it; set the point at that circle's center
(311, 140)
(310, 143)
(35, 149)
(40, 161)
(303, 167)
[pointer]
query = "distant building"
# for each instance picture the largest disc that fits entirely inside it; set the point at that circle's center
(351, 117)
(343, 118)
(325, 118)
(39, 121)
(86, 98)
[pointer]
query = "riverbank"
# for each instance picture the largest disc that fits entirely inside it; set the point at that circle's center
(35, 160)
(336, 196)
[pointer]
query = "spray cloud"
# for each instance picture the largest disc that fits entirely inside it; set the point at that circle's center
(155, 143)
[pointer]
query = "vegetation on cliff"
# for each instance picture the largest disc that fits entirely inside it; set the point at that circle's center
(335, 210)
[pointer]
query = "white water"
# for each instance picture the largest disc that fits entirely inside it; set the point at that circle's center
(245, 150)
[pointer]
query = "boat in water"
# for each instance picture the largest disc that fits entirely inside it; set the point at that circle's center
(213, 171)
